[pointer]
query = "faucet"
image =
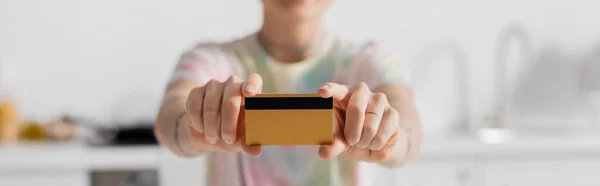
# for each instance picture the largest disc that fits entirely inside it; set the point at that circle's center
(459, 57)
(501, 80)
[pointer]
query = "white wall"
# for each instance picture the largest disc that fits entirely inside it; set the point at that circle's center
(83, 57)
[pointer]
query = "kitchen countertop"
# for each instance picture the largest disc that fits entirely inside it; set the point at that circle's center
(520, 147)
(68, 156)
(55, 156)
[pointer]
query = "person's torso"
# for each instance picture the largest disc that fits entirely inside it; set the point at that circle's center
(285, 165)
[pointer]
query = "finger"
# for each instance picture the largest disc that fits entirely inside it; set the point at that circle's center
(230, 108)
(389, 125)
(355, 113)
(385, 153)
(224, 147)
(373, 115)
(357, 154)
(210, 110)
(197, 136)
(193, 109)
(252, 85)
(337, 91)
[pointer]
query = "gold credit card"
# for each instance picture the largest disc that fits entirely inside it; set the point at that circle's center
(289, 119)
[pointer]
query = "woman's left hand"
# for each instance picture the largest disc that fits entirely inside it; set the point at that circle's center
(367, 126)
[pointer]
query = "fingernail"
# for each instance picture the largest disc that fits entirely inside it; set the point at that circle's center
(250, 88)
(324, 87)
(212, 141)
(352, 144)
(228, 141)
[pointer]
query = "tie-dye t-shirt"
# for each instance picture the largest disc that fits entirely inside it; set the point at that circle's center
(336, 60)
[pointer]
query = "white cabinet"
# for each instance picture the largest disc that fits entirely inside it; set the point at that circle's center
(32, 178)
(447, 173)
(70, 164)
(175, 171)
(569, 171)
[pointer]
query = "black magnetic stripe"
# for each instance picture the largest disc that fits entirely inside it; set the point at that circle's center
(287, 103)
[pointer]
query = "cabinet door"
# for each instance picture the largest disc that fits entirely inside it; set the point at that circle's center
(547, 173)
(176, 171)
(44, 178)
(372, 174)
(436, 173)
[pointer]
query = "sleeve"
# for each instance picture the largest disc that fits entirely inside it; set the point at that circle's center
(201, 64)
(374, 66)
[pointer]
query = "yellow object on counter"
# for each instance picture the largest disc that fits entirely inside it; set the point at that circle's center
(9, 127)
(32, 131)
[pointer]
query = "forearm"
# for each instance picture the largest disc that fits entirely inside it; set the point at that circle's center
(410, 135)
(170, 114)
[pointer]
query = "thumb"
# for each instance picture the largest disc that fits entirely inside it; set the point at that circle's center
(336, 148)
(252, 85)
(252, 150)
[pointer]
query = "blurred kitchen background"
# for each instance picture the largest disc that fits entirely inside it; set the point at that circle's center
(508, 90)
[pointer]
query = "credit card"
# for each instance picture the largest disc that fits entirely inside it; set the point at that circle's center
(288, 119)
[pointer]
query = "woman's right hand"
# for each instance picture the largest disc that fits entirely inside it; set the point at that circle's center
(216, 117)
